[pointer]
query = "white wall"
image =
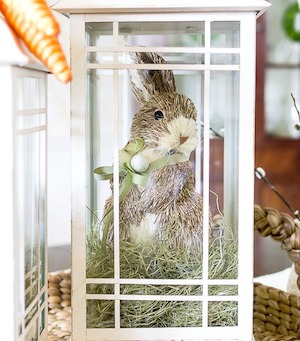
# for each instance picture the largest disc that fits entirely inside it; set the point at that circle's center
(59, 206)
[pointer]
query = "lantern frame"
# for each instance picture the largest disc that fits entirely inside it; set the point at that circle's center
(23, 196)
(82, 13)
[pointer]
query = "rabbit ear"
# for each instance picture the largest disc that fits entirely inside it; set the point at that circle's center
(148, 82)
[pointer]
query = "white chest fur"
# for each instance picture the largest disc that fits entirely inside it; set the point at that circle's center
(146, 230)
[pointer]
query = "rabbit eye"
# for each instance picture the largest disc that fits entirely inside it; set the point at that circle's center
(158, 115)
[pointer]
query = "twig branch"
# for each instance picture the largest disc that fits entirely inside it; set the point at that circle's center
(261, 174)
(213, 130)
(297, 126)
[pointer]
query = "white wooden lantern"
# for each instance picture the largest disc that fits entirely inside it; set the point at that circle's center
(23, 252)
(210, 48)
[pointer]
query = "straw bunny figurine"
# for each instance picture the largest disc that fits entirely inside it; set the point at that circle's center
(162, 202)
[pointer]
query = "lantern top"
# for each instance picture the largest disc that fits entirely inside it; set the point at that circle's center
(155, 6)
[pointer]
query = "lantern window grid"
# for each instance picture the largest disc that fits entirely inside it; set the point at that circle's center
(207, 67)
(117, 281)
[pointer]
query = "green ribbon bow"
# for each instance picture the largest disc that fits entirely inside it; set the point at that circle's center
(131, 176)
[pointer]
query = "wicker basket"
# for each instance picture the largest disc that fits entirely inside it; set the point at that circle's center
(59, 305)
(276, 313)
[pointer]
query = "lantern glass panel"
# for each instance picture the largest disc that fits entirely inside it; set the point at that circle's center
(111, 107)
(225, 34)
(30, 182)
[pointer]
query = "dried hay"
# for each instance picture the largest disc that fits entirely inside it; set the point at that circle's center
(156, 260)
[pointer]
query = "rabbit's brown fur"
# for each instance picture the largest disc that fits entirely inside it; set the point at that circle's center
(169, 202)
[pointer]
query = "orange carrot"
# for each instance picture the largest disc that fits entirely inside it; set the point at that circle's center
(36, 26)
(28, 13)
(53, 57)
(48, 50)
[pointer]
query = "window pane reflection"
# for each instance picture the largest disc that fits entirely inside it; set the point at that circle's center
(282, 76)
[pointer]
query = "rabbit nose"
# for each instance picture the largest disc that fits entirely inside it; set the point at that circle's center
(182, 139)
